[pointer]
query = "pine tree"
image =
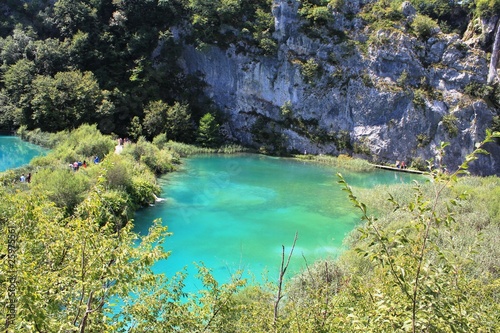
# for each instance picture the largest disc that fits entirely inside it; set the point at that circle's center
(208, 132)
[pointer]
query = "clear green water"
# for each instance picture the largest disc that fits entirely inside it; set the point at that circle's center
(14, 152)
(236, 212)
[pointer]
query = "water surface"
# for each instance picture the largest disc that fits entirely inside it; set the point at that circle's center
(236, 212)
(15, 152)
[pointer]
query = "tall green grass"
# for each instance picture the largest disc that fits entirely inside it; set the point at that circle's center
(44, 139)
(185, 150)
(342, 161)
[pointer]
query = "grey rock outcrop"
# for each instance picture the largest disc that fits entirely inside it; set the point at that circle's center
(384, 95)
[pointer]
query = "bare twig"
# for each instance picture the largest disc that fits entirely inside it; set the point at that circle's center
(284, 267)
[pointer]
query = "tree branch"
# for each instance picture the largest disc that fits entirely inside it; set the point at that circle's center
(283, 269)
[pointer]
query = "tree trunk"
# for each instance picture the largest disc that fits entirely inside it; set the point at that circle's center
(492, 73)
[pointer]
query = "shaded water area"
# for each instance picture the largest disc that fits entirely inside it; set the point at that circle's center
(15, 152)
(236, 212)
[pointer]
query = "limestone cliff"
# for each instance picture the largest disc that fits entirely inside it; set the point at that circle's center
(383, 94)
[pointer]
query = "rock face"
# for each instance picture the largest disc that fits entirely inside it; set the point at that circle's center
(384, 95)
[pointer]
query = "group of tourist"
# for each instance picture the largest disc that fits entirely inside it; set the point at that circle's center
(123, 141)
(25, 179)
(401, 165)
(75, 166)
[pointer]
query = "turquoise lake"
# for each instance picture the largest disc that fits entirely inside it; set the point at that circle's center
(14, 152)
(235, 213)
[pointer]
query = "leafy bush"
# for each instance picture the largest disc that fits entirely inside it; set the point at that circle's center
(342, 161)
(423, 26)
(142, 192)
(450, 124)
(383, 12)
(362, 147)
(419, 97)
(402, 81)
(108, 207)
(495, 124)
(336, 4)
(419, 262)
(423, 140)
(310, 70)
(160, 140)
(316, 14)
(478, 90)
(286, 112)
(116, 171)
(159, 161)
(486, 8)
(64, 187)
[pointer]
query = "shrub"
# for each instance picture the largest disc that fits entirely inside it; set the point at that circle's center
(418, 163)
(423, 140)
(268, 45)
(336, 4)
(476, 89)
(44, 139)
(159, 161)
(286, 112)
(315, 13)
(361, 147)
(402, 81)
(423, 26)
(342, 161)
(419, 98)
(310, 70)
(160, 140)
(487, 8)
(107, 207)
(64, 187)
(495, 124)
(142, 192)
(450, 124)
(82, 144)
(117, 171)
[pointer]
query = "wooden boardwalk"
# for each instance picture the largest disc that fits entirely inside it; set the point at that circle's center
(386, 167)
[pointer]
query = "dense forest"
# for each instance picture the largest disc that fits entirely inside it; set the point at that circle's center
(75, 75)
(113, 63)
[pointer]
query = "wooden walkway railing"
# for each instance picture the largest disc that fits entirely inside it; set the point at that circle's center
(386, 167)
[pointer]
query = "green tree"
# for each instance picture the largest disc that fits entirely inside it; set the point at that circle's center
(17, 80)
(178, 122)
(155, 117)
(135, 128)
(52, 56)
(69, 272)
(71, 16)
(19, 45)
(208, 132)
(65, 101)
